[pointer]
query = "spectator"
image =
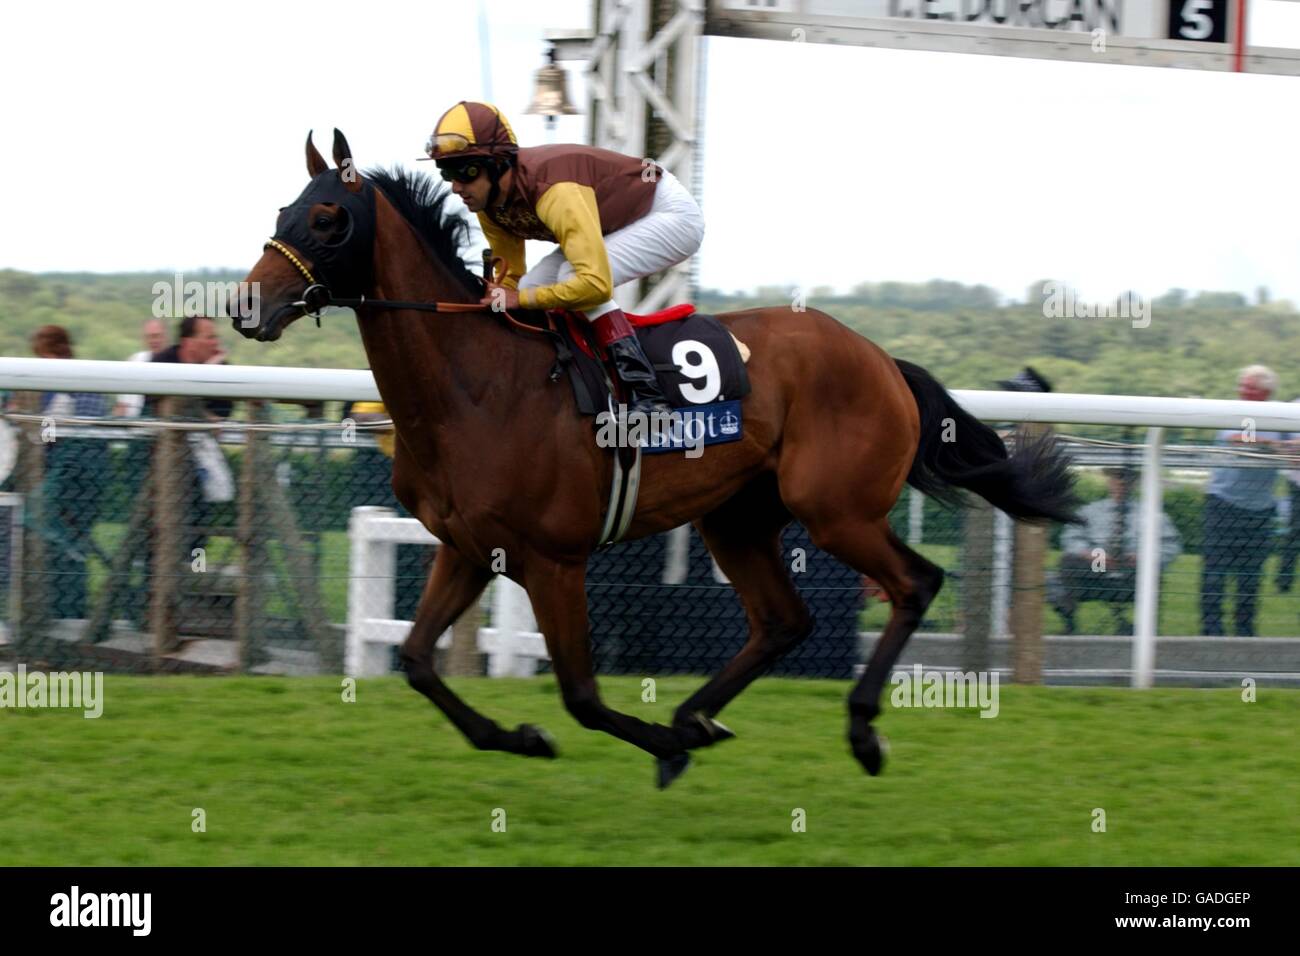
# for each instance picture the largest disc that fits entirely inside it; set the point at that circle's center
(1099, 557)
(76, 472)
(155, 338)
(53, 341)
(1238, 520)
(196, 343)
(367, 413)
(1291, 540)
(206, 477)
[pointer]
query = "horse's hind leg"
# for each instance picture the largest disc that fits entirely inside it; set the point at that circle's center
(911, 583)
(744, 537)
(453, 585)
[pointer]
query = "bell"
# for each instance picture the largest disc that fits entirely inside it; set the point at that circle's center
(551, 95)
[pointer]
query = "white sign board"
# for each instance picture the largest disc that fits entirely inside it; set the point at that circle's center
(1192, 34)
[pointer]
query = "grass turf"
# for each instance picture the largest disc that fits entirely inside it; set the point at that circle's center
(288, 773)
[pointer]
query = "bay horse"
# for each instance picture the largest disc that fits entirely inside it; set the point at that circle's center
(494, 460)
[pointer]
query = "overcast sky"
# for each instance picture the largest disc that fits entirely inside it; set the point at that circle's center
(166, 137)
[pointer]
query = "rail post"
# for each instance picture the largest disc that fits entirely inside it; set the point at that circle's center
(1147, 599)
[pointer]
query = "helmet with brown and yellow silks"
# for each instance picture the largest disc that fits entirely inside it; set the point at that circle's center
(470, 130)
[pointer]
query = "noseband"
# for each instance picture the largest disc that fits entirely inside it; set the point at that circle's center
(316, 296)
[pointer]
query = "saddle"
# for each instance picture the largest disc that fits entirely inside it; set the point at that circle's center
(697, 361)
(701, 370)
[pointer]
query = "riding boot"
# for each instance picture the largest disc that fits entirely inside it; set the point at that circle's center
(630, 362)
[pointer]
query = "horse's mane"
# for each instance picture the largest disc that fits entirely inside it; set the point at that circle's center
(421, 199)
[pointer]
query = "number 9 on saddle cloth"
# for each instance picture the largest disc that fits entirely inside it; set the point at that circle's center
(697, 360)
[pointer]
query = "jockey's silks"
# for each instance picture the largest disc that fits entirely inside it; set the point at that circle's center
(574, 196)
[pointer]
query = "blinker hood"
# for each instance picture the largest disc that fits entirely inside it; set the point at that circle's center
(345, 264)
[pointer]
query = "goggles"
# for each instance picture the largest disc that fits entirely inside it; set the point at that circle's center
(463, 172)
(444, 144)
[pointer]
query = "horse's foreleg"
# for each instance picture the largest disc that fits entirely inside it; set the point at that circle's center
(453, 585)
(559, 598)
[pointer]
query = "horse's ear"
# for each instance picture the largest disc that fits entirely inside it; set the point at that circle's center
(342, 151)
(343, 160)
(315, 161)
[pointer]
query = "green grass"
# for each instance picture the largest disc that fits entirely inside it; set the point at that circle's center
(289, 774)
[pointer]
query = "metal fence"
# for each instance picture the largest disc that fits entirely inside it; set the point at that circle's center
(184, 545)
(205, 545)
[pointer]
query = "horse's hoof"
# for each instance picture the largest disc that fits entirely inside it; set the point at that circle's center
(535, 742)
(716, 730)
(871, 751)
(701, 730)
(670, 768)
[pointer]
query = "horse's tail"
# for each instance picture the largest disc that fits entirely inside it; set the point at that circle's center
(957, 450)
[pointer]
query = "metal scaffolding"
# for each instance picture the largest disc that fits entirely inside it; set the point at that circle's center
(643, 64)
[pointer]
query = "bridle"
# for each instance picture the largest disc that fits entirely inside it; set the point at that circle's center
(347, 262)
(317, 295)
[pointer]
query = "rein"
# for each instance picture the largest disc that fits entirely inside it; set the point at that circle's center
(317, 295)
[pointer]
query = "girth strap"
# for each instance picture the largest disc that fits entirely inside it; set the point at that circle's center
(623, 491)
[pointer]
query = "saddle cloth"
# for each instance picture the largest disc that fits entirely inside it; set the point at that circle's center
(697, 360)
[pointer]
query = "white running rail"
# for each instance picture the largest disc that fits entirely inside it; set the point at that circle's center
(512, 643)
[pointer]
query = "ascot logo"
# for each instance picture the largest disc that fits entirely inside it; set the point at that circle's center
(103, 909)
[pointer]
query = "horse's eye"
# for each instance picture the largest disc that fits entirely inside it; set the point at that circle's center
(322, 222)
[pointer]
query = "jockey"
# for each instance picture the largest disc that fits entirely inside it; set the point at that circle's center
(614, 217)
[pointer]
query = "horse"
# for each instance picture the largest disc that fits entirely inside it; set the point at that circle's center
(492, 457)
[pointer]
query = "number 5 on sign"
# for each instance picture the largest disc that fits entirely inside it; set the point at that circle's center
(696, 361)
(1202, 20)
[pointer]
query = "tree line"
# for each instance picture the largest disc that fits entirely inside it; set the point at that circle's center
(967, 335)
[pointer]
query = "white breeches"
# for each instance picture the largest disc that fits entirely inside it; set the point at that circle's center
(668, 234)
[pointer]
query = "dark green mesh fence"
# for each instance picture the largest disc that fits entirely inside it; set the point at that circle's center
(219, 545)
